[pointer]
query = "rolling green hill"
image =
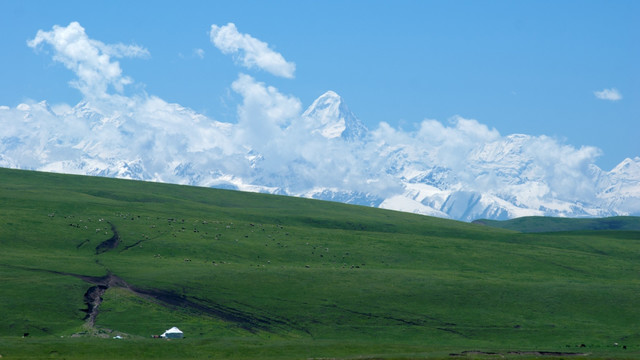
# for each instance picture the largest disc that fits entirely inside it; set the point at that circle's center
(251, 276)
(536, 224)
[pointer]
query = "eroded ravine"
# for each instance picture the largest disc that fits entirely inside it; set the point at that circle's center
(93, 296)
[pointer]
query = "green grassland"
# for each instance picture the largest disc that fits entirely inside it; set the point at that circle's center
(249, 276)
(537, 224)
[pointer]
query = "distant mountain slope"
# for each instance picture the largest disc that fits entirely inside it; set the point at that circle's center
(533, 224)
(464, 171)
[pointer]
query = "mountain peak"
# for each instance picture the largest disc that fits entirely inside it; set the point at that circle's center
(329, 102)
(330, 95)
(330, 117)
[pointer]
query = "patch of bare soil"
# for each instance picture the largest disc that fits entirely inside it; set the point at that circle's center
(110, 243)
(93, 299)
(93, 296)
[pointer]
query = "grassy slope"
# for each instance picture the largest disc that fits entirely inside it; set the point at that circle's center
(537, 224)
(277, 277)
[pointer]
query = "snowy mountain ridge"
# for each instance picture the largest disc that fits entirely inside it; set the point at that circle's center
(464, 171)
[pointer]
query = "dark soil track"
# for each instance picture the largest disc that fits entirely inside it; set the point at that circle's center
(93, 296)
(109, 244)
(93, 299)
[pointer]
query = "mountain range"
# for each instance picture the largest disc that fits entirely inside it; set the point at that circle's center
(465, 171)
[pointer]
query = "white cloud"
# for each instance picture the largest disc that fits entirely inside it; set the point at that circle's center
(199, 53)
(608, 94)
(264, 103)
(61, 109)
(89, 59)
(23, 107)
(121, 50)
(249, 51)
(264, 110)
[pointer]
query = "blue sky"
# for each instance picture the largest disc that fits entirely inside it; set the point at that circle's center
(531, 67)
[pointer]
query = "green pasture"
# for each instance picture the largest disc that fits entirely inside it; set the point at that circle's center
(539, 224)
(249, 276)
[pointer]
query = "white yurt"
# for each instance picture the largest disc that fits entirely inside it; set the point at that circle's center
(173, 333)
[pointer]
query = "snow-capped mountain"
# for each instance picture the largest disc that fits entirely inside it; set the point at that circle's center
(619, 188)
(330, 117)
(465, 172)
(504, 179)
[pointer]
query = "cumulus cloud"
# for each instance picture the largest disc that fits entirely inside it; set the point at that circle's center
(608, 94)
(89, 59)
(262, 103)
(249, 51)
(262, 117)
